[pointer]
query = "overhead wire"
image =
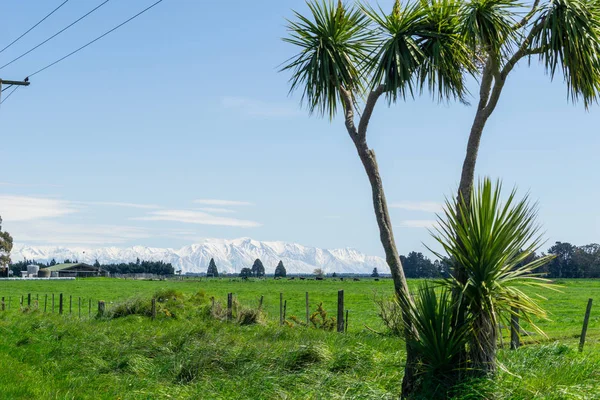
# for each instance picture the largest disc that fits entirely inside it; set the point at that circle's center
(8, 95)
(96, 39)
(33, 27)
(56, 34)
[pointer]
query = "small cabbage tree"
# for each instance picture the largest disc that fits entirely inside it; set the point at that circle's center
(490, 239)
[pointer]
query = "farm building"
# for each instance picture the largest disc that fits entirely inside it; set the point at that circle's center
(74, 270)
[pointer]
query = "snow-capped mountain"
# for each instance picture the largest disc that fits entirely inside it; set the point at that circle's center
(230, 256)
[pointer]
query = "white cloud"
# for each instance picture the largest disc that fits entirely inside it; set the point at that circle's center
(216, 210)
(25, 208)
(54, 233)
(215, 202)
(29, 184)
(426, 206)
(418, 223)
(196, 217)
(258, 108)
(121, 204)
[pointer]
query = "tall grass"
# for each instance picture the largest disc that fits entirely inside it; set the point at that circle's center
(197, 356)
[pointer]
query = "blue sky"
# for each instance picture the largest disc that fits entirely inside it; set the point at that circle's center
(179, 127)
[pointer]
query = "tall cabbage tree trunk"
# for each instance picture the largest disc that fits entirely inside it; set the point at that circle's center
(386, 234)
(483, 348)
(492, 83)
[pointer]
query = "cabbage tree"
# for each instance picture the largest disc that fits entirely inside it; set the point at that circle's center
(350, 57)
(491, 240)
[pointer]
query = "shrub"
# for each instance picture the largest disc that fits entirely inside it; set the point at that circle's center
(390, 313)
(136, 306)
(239, 313)
(249, 316)
(320, 320)
(165, 295)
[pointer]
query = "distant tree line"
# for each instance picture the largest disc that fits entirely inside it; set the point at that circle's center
(138, 267)
(571, 262)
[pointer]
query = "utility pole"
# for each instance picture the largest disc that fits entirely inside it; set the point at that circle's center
(24, 82)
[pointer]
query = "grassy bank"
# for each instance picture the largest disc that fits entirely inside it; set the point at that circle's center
(185, 353)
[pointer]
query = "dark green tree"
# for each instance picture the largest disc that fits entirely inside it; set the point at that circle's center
(587, 260)
(280, 271)
(96, 264)
(416, 265)
(375, 273)
(212, 269)
(246, 272)
(6, 245)
(52, 262)
(258, 269)
(562, 265)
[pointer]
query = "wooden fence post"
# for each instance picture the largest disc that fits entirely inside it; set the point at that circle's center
(70, 304)
(2, 303)
(21, 304)
(53, 303)
(307, 310)
(340, 311)
(260, 303)
(90, 308)
(101, 308)
(229, 306)
(9, 302)
(80, 308)
(60, 303)
(45, 302)
(284, 309)
(280, 308)
(153, 308)
(586, 320)
(28, 299)
(515, 329)
(346, 321)
(212, 307)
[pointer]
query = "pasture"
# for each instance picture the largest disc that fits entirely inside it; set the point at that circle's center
(190, 355)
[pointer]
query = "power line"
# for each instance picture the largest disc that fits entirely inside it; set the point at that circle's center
(95, 40)
(6, 88)
(30, 29)
(8, 95)
(56, 34)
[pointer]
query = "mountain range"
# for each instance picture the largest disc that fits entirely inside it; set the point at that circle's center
(230, 256)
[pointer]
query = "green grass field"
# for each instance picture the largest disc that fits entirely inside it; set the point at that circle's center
(47, 356)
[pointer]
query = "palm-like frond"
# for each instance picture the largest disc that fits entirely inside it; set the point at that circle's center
(335, 45)
(446, 56)
(568, 37)
(488, 24)
(489, 239)
(399, 54)
(439, 339)
(420, 48)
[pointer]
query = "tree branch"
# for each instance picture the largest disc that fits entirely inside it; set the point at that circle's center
(368, 111)
(522, 51)
(346, 96)
(527, 17)
(487, 77)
